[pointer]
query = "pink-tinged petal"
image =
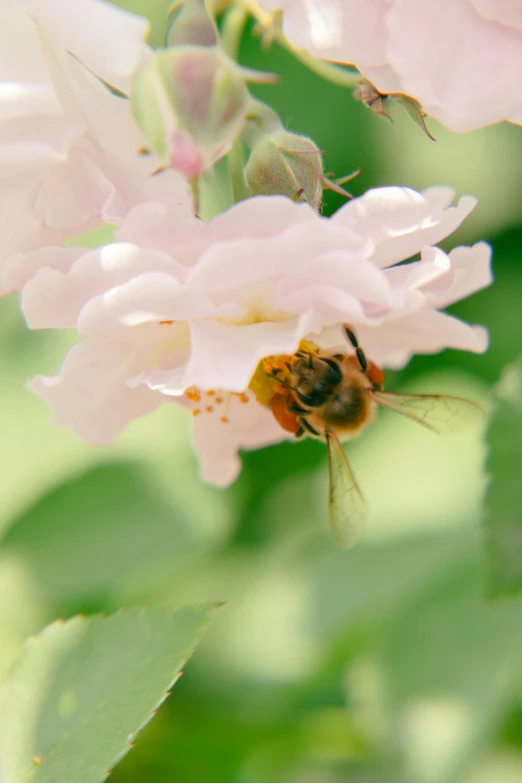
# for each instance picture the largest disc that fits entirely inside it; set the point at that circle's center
(250, 426)
(225, 357)
(260, 217)
(54, 298)
(505, 11)
(401, 221)
(154, 296)
(72, 192)
(434, 264)
(109, 40)
(20, 158)
(90, 394)
(425, 331)
(171, 355)
(26, 88)
(470, 272)
(21, 268)
(357, 276)
(160, 226)
(347, 31)
(243, 264)
(328, 304)
(465, 83)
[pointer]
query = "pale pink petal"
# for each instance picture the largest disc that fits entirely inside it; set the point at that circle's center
(470, 272)
(19, 270)
(357, 276)
(465, 82)
(250, 426)
(154, 296)
(260, 217)
(72, 192)
(348, 31)
(328, 304)
(54, 297)
(109, 40)
(425, 331)
(433, 265)
(159, 226)
(90, 395)
(244, 264)
(401, 221)
(505, 11)
(25, 88)
(225, 357)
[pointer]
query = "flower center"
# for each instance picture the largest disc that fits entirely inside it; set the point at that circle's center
(212, 401)
(267, 382)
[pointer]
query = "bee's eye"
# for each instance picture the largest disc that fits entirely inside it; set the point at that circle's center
(335, 374)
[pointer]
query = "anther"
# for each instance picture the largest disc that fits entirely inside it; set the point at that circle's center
(209, 409)
(196, 412)
(210, 392)
(224, 420)
(166, 322)
(219, 400)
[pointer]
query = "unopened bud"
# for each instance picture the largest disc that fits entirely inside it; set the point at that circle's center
(290, 165)
(261, 120)
(190, 104)
(191, 24)
(286, 164)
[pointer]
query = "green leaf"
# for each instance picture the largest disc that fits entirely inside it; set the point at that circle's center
(107, 529)
(83, 688)
(449, 664)
(504, 499)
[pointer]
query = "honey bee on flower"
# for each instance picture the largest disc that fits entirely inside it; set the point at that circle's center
(332, 397)
(239, 319)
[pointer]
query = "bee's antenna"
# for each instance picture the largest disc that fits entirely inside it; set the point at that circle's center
(361, 357)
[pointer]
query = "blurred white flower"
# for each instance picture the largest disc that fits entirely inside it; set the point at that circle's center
(185, 310)
(461, 59)
(68, 146)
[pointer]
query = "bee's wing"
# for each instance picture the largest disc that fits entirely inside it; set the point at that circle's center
(438, 412)
(346, 504)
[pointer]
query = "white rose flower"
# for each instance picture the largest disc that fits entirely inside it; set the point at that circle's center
(68, 146)
(191, 312)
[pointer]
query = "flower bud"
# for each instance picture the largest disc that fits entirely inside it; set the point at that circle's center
(261, 120)
(191, 24)
(190, 104)
(286, 164)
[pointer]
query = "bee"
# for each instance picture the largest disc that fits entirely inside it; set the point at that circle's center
(332, 397)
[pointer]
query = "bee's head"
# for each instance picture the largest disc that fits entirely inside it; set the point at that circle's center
(314, 378)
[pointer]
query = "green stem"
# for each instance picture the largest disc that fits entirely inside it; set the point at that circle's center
(214, 190)
(329, 71)
(236, 164)
(232, 29)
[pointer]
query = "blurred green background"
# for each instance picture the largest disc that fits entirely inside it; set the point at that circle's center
(381, 665)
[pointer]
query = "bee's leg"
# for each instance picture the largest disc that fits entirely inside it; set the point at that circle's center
(295, 408)
(304, 354)
(309, 427)
(280, 381)
(361, 357)
(300, 432)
